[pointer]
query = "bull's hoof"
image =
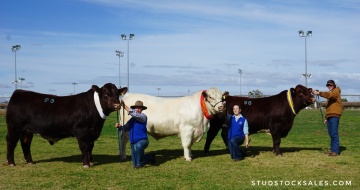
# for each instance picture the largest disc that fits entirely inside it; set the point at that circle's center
(279, 155)
(91, 163)
(11, 164)
(188, 159)
(86, 166)
(29, 163)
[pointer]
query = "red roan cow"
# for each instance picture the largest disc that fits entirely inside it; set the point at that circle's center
(55, 117)
(276, 113)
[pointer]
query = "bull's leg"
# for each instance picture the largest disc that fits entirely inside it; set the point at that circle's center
(224, 135)
(91, 147)
(85, 156)
(11, 140)
(186, 133)
(26, 139)
(85, 151)
(276, 144)
(211, 134)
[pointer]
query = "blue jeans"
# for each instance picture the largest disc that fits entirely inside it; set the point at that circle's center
(234, 147)
(137, 152)
(333, 126)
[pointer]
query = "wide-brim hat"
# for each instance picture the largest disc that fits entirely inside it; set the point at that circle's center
(330, 83)
(139, 104)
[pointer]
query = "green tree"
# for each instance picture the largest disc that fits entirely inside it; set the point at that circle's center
(255, 94)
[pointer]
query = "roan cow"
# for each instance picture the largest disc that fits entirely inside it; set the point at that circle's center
(275, 113)
(57, 117)
(186, 116)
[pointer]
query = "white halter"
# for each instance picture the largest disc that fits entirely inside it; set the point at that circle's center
(98, 105)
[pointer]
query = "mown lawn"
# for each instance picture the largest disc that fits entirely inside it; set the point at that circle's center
(303, 165)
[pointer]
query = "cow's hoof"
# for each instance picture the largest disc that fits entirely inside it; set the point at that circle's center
(91, 163)
(11, 164)
(86, 166)
(188, 159)
(279, 155)
(30, 163)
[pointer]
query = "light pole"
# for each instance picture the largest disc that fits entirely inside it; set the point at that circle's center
(158, 89)
(308, 34)
(240, 72)
(15, 48)
(21, 79)
(131, 37)
(74, 83)
(120, 54)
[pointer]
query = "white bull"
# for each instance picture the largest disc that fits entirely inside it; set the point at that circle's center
(187, 116)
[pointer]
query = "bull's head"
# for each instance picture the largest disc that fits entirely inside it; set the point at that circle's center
(109, 97)
(215, 98)
(305, 95)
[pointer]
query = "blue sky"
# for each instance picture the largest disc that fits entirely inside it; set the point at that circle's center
(179, 46)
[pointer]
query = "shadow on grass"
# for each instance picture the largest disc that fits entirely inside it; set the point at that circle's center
(256, 150)
(165, 155)
(162, 156)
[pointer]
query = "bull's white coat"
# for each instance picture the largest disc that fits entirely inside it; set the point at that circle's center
(176, 116)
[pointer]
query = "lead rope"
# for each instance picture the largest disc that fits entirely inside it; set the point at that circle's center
(119, 135)
(319, 107)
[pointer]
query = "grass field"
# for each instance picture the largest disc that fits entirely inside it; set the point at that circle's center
(303, 165)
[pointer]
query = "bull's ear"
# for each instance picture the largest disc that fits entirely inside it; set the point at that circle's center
(225, 94)
(292, 90)
(123, 91)
(95, 88)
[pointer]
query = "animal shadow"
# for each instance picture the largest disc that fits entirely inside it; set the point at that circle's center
(162, 156)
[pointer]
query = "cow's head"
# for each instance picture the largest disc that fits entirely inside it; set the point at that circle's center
(109, 97)
(303, 94)
(215, 98)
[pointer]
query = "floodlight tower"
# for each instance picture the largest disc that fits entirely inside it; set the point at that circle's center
(15, 48)
(131, 37)
(119, 54)
(303, 35)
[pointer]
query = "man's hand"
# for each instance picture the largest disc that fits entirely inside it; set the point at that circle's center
(117, 125)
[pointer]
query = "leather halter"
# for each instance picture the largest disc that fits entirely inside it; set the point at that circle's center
(203, 107)
(290, 101)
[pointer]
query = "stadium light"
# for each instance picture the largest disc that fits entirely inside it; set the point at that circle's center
(74, 83)
(303, 35)
(21, 79)
(131, 37)
(240, 72)
(15, 48)
(119, 54)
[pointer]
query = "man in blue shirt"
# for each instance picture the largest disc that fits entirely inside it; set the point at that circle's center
(138, 135)
(238, 132)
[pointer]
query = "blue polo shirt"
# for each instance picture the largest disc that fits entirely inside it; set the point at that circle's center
(237, 126)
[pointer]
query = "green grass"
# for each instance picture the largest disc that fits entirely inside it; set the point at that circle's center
(59, 166)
